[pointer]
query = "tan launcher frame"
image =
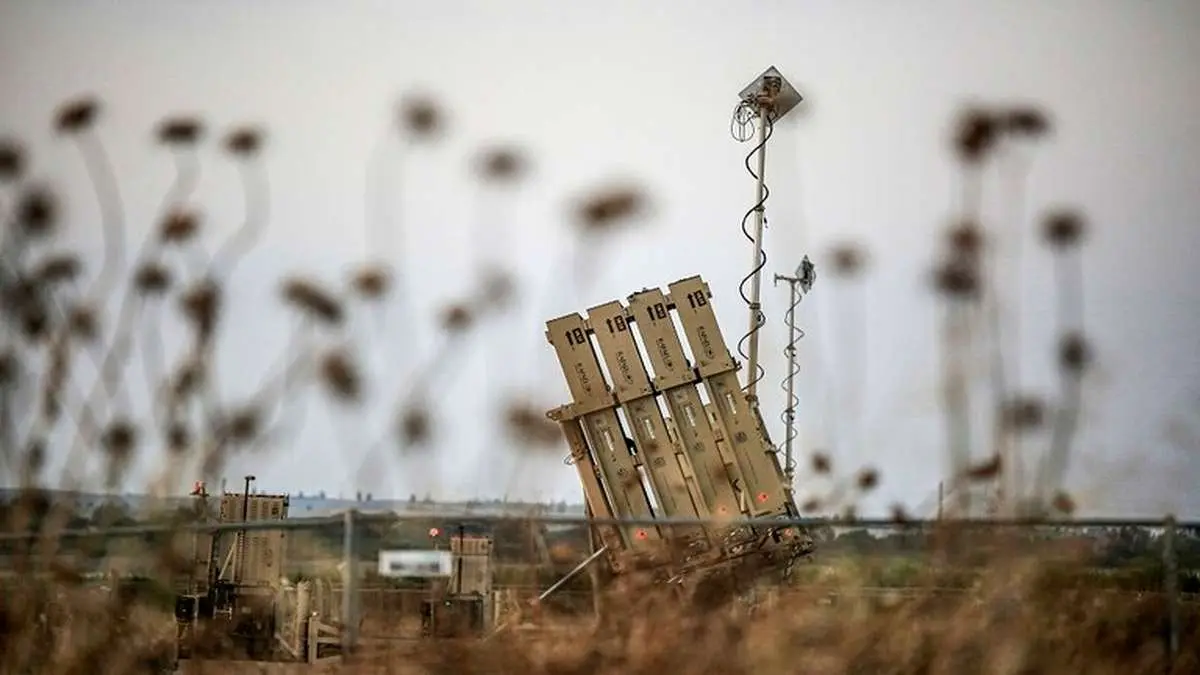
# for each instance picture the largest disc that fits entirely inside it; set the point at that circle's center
(708, 457)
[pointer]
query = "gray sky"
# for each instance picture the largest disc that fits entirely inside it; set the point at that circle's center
(599, 91)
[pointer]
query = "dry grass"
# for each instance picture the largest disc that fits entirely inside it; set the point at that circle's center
(54, 318)
(1014, 622)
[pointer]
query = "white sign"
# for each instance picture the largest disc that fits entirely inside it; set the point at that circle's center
(415, 564)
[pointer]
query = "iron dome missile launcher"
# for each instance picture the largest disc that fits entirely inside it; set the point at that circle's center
(658, 431)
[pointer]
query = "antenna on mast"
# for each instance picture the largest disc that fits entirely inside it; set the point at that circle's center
(765, 100)
(799, 286)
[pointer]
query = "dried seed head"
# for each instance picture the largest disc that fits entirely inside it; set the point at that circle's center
(1024, 413)
(18, 295)
(313, 300)
(868, 479)
(415, 428)
(243, 425)
(189, 376)
(606, 209)
(56, 380)
(12, 160)
(83, 324)
(180, 131)
(200, 305)
(420, 116)
(178, 438)
(985, 470)
(1026, 121)
(371, 282)
(498, 288)
(9, 368)
(811, 505)
(821, 464)
(37, 212)
(77, 116)
(120, 439)
(1063, 229)
(957, 278)
(1074, 353)
(25, 301)
(35, 455)
(340, 375)
(501, 165)
(57, 269)
(35, 322)
(244, 142)
(525, 424)
(966, 239)
(1063, 503)
(456, 318)
(847, 260)
(152, 279)
(976, 135)
(178, 227)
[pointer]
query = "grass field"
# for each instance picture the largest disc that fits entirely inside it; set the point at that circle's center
(1016, 615)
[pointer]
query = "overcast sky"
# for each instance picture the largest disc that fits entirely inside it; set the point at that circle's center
(594, 92)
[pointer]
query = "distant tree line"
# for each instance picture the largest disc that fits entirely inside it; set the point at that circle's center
(30, 512)
(1108, 547)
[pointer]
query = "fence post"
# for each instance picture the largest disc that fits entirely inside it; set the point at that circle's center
(349, 584)
(1171, 588)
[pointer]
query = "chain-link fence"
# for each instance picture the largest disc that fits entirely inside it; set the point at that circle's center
(877, 562)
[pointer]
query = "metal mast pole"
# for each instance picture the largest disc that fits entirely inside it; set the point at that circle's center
(756, 283)
(798, 285)
(240, 570)
(789, 463)
(765, 100)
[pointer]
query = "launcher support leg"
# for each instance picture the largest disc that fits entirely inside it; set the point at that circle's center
(555, 586)
(572, 574)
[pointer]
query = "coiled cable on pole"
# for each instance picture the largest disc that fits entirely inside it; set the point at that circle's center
(741, 125)
(743, 116)
(791, 401)
(798, 286)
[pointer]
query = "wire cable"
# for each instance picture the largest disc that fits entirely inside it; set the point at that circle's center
(741, 125)
(743, 117)
(791, 400)
(798, 287)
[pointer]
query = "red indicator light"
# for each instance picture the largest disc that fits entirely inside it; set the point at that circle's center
(641, 534)
(762, 497)
(433, 532)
